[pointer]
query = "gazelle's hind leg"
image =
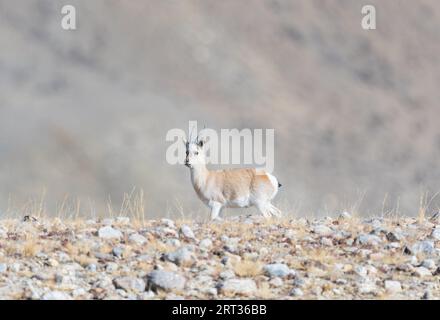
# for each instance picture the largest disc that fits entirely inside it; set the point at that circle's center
(267, 209)
(264, 208)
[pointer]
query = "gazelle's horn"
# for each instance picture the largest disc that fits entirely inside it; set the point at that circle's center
(204, 127)
(191, 134)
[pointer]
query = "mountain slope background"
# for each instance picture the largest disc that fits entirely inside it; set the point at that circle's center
(84, 113)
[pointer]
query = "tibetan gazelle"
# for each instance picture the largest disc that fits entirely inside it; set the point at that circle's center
(233, 188)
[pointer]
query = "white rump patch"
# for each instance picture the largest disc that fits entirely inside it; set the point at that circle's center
(274, 182)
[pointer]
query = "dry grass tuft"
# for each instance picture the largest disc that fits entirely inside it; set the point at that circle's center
(265, 292)
(85, 260)
(247, 268)
(31, 248)
(158, 246)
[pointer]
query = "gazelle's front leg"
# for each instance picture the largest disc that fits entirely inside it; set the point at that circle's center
(216, 207)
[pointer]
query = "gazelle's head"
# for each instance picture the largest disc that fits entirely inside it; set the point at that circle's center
(195, 153)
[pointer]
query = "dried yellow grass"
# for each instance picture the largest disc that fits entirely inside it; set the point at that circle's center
(247, 268)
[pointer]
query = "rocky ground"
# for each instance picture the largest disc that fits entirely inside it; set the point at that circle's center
(242, 257)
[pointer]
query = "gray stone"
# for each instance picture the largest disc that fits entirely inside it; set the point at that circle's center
(376, 223)
(230, 248)
(436, 233)
(429, 264)
(326, 242)
(3, 233)
(137, 239)
(378, 231)
(15, 267)
(64, 257)
(56, 295)
(322, 230)
(422, 272)
(118, 252)
(368, 239)
(107, 221)
(345, 215)
(367, 287)
(427, 295)
(296, 292)
(414, 261)
(148, 295)
(393, 286)
(104, 256)
(317, 290)
(290, 234)
(173, 242)
(341, 281)
(300, 282)
(181, 256)
(52, 262)
(33, 292)
(276, 282)
(205, 244)
(129, 284)
(111, 267)
(212, 291)
(393, 237)
(59, 278)
(361, 271)
(168, 222)
(43, 276)
(173, 296)
(3, 267)
(277, 270)
(104, 282)
(244, 287)
(164, 280)
(372, 270)
(79, 292)
(393, 245)
(406, 267)
(228, 274)
(186, 231)
(145, 258)
(108, 232)
(91, 267)
(426, 247)
(167, 231)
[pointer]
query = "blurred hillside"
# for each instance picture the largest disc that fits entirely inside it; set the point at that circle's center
(85, 112)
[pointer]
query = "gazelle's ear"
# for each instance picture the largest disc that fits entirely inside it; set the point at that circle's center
(185, 141)
(201, 142)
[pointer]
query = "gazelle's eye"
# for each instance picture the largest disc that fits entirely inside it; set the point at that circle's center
(196, 153)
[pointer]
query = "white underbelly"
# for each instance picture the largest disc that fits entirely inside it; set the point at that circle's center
(242, 202)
